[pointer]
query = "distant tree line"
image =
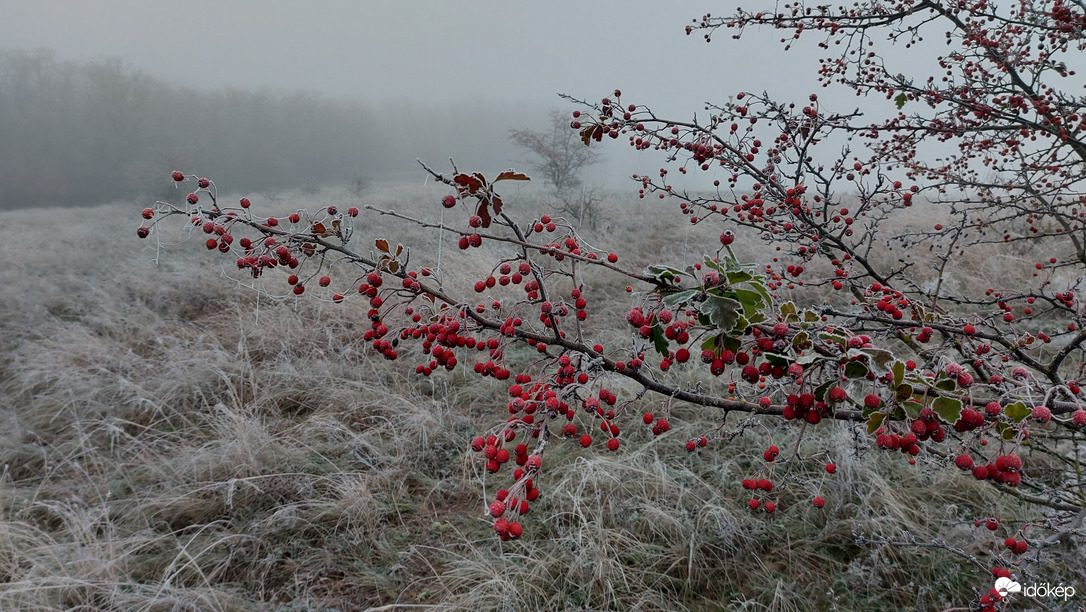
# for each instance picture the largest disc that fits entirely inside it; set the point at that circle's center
(77, 133)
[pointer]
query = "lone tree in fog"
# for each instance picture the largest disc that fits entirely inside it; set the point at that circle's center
(559, 158)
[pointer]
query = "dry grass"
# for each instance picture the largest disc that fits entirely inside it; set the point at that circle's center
(171, 440)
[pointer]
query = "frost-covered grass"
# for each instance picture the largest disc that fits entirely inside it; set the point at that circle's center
(170, 440)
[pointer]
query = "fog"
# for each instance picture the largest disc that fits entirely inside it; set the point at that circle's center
(101, 100)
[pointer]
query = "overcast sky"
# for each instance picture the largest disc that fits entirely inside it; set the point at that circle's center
(427, 52)
(391, 50)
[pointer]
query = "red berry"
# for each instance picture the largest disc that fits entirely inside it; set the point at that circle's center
(497, 509)
(611, 257)
(178, 176)
(872, 400)
(1078, 417)
(727, 238)
(448, 201)
(586, 440)
(964, 462)
(831, 468)
(819, 502)
(1041, 414)
(192, 198)
(612, 444)
(534, 463)
(245, 203)
(324, 281)
(515, 530)
(143, 232)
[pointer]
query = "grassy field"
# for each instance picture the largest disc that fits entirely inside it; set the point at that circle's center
(171, 439)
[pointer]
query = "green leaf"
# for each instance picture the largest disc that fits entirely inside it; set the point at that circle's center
(948, 408)
(875, 421)
(751, 300)
(1017, 411)
(778, 360)
(839, 340)
(659, 340)
(710, 344)
(674, 300)
(855, 369)
(732, 344)
(904, 392)
(788, 308)
(734, 278)
(899, 372)
(731, 263)
(912, 408)
(1007, 432)
(879, 357)
(723, 312)
(801, 341)
(820, 392)
(809, 316)
(946, 385)
(900, 100)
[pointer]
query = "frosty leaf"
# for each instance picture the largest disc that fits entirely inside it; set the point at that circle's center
(1017, 411)
(722, 312)
(590, 133)
(664, 273)
(483, 213)
(674, 300)
(948, 408)
(875, 421)
(511, 175)
(659, 341)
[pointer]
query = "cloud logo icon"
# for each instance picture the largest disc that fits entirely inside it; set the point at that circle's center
(1005, 586)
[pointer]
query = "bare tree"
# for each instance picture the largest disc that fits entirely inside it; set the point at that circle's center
(560, 158)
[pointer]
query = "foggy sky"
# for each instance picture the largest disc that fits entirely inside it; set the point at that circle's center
(426, 53)
(404, 50)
